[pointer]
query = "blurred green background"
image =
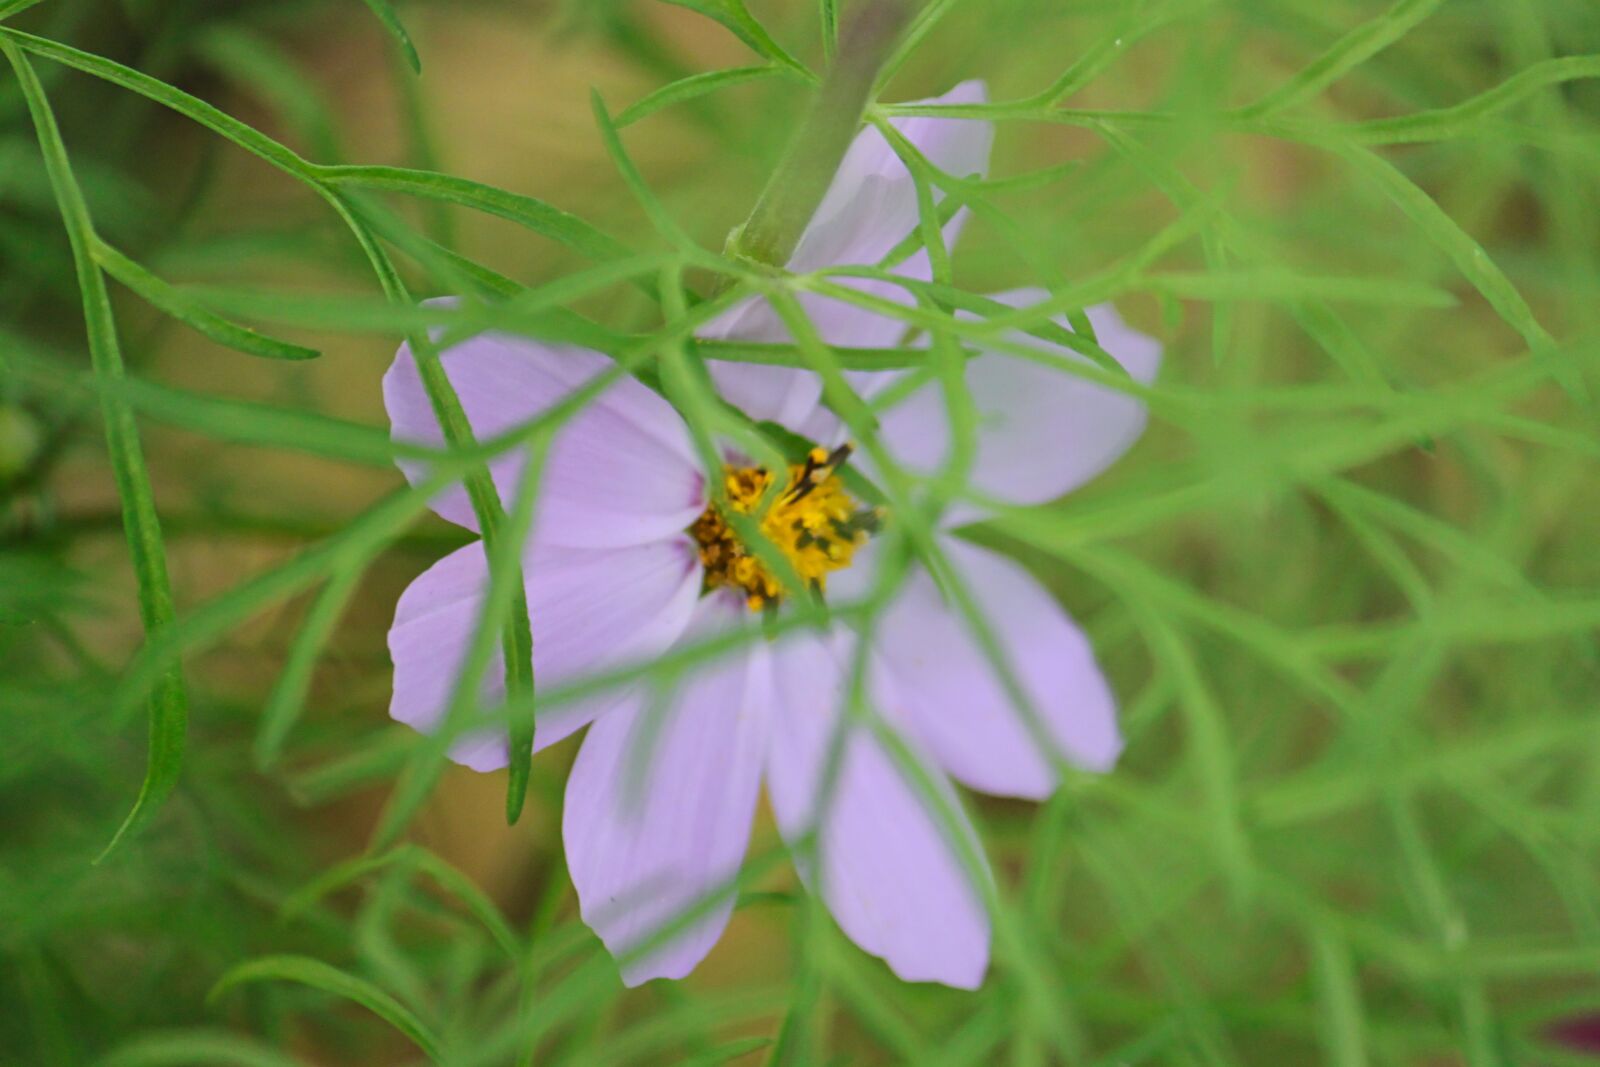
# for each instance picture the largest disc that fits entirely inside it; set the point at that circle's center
(1346, 586)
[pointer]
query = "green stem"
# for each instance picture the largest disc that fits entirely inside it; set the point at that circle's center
(786, 205)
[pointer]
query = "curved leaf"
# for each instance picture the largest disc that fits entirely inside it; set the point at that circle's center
(696, 85)
(736, 18)
(319, 975)
(535, 214)
(391, 22)
(176, 303)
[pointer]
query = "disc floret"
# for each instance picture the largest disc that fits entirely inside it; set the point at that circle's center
(814, 522)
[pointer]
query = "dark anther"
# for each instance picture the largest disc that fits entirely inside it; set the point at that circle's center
(818, 469)
(866, 521)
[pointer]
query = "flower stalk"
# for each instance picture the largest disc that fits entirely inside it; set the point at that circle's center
(866, 41)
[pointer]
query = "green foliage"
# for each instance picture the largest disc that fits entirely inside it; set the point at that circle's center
(1345, 588)
(168, 700)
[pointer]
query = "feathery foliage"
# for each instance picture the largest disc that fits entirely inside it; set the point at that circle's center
(1345, 588)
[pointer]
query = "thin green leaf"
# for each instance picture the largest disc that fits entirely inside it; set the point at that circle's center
(1136, 22)
(926, 19)
(416, 857)
(778, 355)
(214, 119)
(1468, 256)
(177, 303)
(319, 975)
(238, 421)
(527, 211)
(535, 214)
(659, 216)
(736, 18)
(505, 561)
(1320, 321)
(1349, 52)
(690, 88)
(391, 22)
(1281, 285)
(1458, 120)
(14, 7)
(381, 756)
(288, 694)
(1211, 754)
(208, 622)
(505, 604)
(169, 703)
(422, 152)
(464, 889)
(1339, 994)
(359, 314)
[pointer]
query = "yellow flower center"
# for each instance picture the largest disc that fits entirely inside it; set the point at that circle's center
(814, 523)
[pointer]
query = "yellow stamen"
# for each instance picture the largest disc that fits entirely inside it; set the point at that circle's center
(814, 522)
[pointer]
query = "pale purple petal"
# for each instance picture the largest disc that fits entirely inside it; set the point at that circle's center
(621, 472)
(590, 610)
(955, 696)
(883, 864)
(659, 806)
(870, 207)
(790, 396)
(784, 395)
(596, 610)
(1042, 431)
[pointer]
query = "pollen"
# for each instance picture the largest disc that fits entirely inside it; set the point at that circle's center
(813, 522)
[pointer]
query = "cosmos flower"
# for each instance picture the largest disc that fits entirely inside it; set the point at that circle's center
(630, 557)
